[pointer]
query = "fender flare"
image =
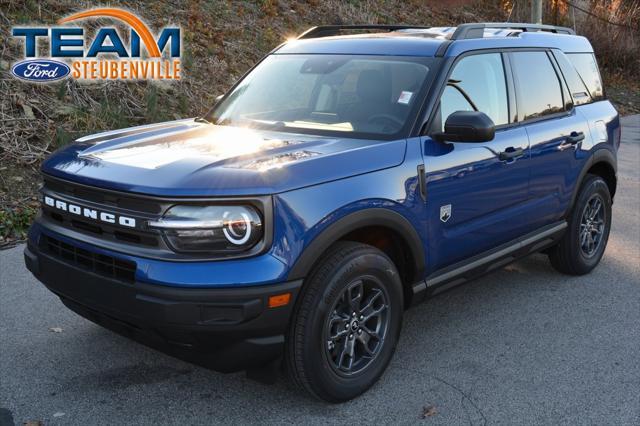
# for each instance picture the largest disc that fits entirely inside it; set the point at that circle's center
(601, 155)
(362, 218)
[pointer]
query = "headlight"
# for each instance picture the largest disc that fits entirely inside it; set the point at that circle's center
(223, 229)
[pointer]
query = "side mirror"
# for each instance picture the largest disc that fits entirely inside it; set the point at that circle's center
(219, 98)
(467, 126)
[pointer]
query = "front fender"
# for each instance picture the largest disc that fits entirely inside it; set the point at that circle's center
(332, 231)
(308, 220)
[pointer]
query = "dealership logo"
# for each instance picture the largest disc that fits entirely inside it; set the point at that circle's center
(40, 70)
(108, 55)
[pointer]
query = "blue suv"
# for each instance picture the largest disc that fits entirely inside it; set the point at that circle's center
(343, 179)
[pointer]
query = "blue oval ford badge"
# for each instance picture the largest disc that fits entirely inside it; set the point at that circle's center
(43, 70)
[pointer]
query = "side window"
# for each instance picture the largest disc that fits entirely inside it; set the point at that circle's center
(538, 88)
(578, 89)
(476, 84)
(453, 100)
(585, 64)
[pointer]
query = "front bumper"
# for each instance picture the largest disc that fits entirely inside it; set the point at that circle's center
(226, 329)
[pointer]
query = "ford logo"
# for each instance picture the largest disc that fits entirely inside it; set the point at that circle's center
(40, 70)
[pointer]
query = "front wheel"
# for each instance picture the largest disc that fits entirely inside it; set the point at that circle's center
(583, 244)
(347, 323)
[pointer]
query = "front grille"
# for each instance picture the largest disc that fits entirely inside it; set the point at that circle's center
(146, 238)
(102, 197)
(141, 208)
(101, 264)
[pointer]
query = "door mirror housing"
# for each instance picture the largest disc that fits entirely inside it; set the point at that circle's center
(467, 126)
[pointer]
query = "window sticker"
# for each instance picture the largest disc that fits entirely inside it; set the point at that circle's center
(405, 97)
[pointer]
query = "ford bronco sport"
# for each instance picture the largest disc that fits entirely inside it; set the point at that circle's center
(341, 180)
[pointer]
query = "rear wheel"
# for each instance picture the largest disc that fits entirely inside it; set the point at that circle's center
(583, 245)
(347, 323)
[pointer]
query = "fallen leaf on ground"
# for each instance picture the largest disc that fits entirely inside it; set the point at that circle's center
(56, 329)
(429, 411)
(65, 110)
(28, 111)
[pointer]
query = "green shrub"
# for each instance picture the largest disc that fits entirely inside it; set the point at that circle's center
(15, 222)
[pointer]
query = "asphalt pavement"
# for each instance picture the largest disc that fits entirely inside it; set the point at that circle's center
(523, 345)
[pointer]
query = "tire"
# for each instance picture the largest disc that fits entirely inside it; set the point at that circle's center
(574, 254)
(313, 358)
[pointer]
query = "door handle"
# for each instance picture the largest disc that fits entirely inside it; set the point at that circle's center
(571, 140)
(575, 137)
(510, 153)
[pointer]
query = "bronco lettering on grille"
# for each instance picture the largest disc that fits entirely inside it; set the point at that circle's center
(88, 213)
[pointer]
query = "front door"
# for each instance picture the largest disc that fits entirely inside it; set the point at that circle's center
(476, 197)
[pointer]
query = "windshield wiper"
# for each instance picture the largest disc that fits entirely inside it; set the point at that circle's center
(272, 125)
(202, 120)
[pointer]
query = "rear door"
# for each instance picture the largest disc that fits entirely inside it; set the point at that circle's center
(556, 134)
(475, 199)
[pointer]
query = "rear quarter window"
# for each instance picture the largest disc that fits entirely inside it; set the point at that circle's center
(579, 91)
(585, 64)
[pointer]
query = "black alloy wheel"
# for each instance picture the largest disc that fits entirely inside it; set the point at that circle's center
(356, 326)
(346, 322)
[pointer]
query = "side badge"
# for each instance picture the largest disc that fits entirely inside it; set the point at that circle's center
(445, 212)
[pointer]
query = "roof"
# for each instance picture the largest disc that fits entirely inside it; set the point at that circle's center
(366, 44)
(433, 41)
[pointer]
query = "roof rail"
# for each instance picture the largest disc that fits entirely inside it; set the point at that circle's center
(467, 31)
(330, 30)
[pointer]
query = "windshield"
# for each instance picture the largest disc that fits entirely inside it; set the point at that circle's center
(362, 96)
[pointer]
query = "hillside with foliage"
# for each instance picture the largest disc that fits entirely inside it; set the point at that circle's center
(221, 40)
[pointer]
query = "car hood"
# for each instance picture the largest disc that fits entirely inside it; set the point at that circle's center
(192, 158)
